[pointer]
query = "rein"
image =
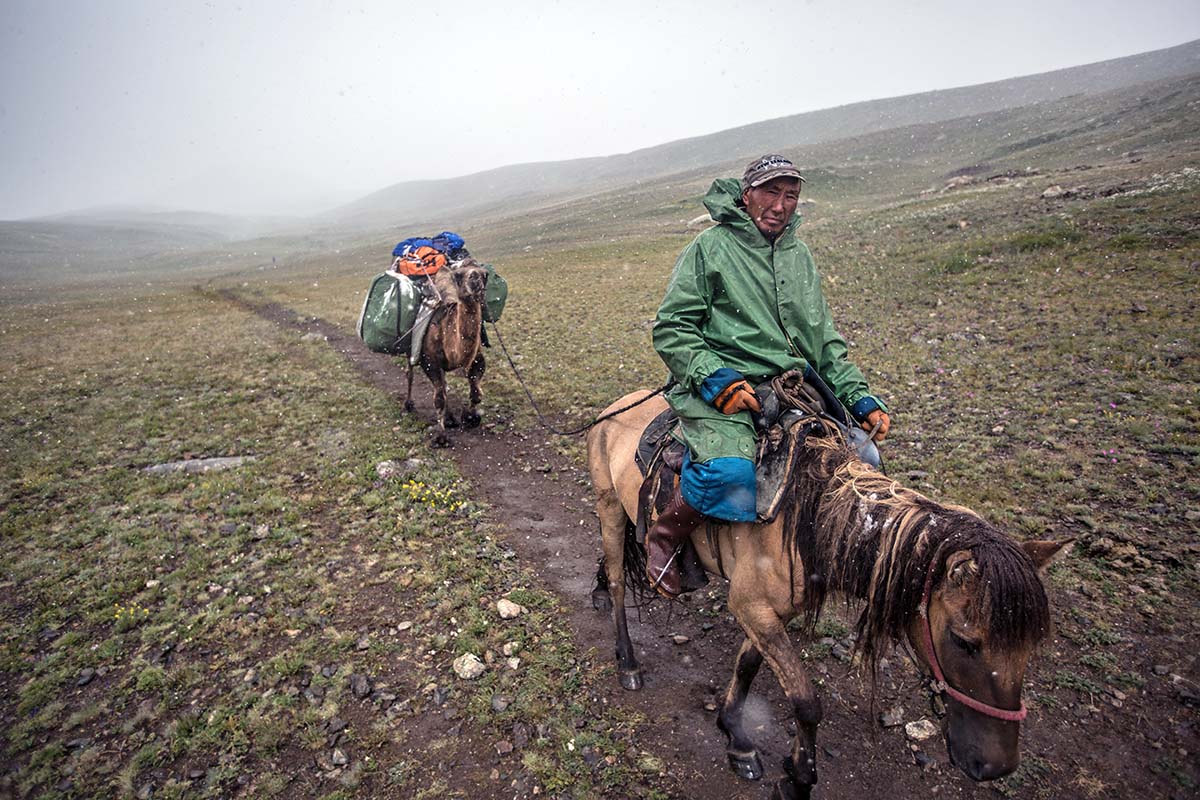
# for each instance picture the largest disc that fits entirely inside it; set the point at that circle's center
(938, 684)
(541, 418)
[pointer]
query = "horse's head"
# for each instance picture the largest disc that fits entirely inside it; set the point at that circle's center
(984, 615)
(470, 279)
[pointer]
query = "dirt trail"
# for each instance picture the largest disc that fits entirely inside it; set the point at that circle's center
(542, 502)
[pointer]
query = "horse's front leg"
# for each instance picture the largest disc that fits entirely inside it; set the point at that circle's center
(437, 377)
(768, 634)
(408, 403)
(743, 757)
(470, 417)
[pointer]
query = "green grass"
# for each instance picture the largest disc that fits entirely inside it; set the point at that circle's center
(207, 603)
(1040, 359)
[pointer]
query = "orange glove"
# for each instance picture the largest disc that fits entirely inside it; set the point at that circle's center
(737, 396)
(877, 417)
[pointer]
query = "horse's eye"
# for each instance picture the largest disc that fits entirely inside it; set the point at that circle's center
(967, 646)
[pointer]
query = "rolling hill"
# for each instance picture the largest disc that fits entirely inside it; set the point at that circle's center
(522, 184)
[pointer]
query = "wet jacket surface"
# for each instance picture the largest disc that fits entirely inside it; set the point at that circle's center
(739, 301)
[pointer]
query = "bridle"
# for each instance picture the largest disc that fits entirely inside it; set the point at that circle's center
(938, 685)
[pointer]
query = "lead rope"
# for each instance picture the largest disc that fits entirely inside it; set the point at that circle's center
(541, 417)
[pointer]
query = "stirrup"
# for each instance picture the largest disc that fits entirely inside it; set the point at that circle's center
(655, 583)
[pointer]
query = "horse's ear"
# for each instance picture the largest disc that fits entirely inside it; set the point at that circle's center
(1044, 552)
(960, 566)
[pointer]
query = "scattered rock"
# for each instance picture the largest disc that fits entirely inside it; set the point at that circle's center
(511, 648)
(338, 758)
(363, 644)
(840, 652)
(86, 675)
(403, 626)
(679, 638)
(193, 465)
(360, 686)
(386, 469)
(504, 747)
(650, 764)
(508, 609)
(520, 735)
(1161, 669)
(892, 718)
(513, 663)
(468, 666)
(500, 702)
(920, 730)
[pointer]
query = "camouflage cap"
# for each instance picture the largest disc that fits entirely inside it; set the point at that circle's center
(767, 168)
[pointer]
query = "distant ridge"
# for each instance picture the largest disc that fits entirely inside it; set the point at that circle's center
(526, 183)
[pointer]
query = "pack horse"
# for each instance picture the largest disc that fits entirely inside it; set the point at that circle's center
(967, 598)
(454, 341)
(429, 307)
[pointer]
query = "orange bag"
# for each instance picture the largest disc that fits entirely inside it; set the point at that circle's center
(422, 261)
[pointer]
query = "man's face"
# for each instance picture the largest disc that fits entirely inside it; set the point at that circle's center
(771, 205)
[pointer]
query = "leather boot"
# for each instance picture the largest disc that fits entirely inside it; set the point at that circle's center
(670, 530)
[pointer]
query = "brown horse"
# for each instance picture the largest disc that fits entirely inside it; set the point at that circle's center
(453, 341)
(967, 598)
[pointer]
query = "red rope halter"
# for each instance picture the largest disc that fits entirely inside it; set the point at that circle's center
(939, 679)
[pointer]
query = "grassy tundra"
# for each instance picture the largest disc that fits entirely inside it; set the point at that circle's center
(208, 635)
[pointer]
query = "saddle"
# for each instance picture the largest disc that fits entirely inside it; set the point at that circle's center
(793, 409)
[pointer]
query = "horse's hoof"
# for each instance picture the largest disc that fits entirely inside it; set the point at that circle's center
(631, 679)
(471, 419)
(409, 406)
(451, 421)
(440, 439)
(602, 600)
(747, 766)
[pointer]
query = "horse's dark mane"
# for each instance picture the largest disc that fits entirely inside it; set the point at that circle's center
(859, 533)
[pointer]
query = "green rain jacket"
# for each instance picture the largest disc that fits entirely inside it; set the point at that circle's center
(736, 300)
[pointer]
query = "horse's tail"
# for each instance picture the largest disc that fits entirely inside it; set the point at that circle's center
(635, 566)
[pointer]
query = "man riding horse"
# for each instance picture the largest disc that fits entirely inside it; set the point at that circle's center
(744, 305)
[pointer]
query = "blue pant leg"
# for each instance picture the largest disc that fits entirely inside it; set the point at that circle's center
(721, 488)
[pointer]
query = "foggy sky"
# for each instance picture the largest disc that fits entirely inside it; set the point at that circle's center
(286, 108)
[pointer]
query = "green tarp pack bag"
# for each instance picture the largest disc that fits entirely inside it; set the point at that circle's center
(388, 314)
(495, 296)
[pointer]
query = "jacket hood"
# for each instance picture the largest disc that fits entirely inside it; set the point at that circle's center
(724, 204)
